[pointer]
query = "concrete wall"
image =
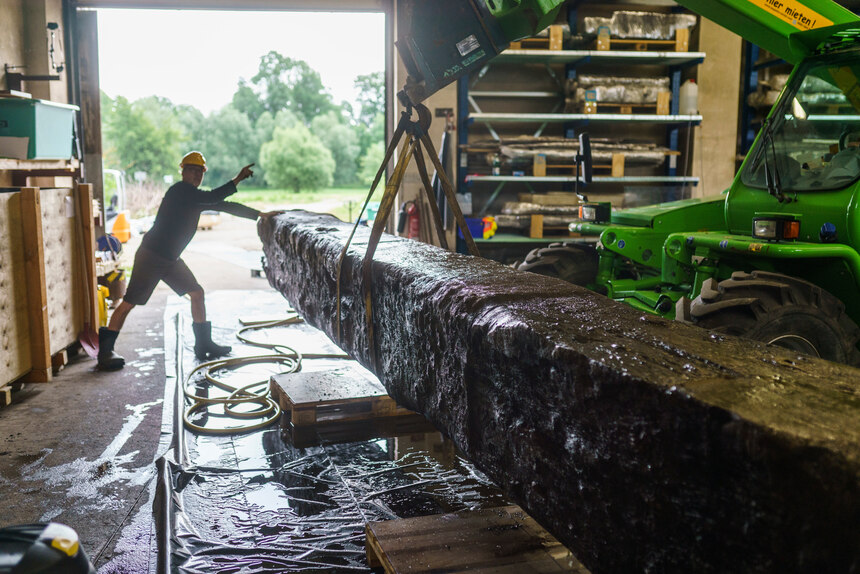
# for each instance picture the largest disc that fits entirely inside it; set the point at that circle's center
(24, 42)
(12, 36)
(715, 144)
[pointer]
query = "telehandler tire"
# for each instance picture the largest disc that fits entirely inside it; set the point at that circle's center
(574, 263)
(779, 310)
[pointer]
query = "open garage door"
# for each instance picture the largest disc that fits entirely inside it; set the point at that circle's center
(85, 50)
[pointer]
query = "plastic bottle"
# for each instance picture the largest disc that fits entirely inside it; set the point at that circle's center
(688, 103)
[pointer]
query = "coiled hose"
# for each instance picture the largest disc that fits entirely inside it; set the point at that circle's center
(256, 392)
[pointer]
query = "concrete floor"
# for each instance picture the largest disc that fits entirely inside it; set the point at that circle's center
(80, 450)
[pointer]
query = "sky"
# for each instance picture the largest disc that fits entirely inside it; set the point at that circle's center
(197, 57)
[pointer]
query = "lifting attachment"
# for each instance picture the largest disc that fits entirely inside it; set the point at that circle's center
(417, 141)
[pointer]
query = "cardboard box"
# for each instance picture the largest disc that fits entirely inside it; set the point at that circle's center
(13, 147)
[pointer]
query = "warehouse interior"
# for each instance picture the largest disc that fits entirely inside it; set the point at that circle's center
(486, 380)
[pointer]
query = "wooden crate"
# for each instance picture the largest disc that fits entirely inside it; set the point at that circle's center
(47, 278)
(348, 393)
(681, 43)
(496, 540)
(555, 41)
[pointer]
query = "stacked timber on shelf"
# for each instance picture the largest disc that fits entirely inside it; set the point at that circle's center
(590, 94)
(47, 278)
(641, 31)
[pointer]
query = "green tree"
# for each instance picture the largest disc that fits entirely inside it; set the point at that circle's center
(229, 141)
(370, 162)
(371, 96)
(296, 160)
(248, 102)
(342, 141)
(282, 83)
(144, 136)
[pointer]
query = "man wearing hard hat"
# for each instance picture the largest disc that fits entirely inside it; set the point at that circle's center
(158, 257)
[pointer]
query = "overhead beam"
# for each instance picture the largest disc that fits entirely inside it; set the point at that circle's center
(242, 5)
(642, 444)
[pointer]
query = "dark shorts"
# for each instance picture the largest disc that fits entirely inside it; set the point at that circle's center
(150, 268)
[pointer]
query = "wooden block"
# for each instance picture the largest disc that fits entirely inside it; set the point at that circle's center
(536, 228)
(349, 393)
(617, 165)
(539, 165)
(556, 37)
(497, 540)
(664, 103)
(516, 46)
(303, 416)
(37, 294)
(682, 39)
(5, 396)
(603, 39)
(625, 109)
(59, 360)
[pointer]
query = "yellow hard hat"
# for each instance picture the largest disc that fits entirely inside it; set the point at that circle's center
(193, 158)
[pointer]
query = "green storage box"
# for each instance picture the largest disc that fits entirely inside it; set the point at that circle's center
(48, 125)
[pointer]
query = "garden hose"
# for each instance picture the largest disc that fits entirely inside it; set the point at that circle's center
(256, 392)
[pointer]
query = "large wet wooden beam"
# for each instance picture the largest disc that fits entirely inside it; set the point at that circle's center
(642, 444)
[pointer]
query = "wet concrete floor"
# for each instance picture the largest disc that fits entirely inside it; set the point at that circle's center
(81, 451)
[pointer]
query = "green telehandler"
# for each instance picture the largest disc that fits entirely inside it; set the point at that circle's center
(773, 258)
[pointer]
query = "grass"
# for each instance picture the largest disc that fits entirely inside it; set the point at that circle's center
(342, 202)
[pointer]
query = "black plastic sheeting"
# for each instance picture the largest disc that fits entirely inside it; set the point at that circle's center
(255, 503)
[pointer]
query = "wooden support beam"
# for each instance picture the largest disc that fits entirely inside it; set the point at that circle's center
(88, 251)
(91, 121)
(37, 292)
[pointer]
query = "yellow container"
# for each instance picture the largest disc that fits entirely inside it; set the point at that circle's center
(103, 294)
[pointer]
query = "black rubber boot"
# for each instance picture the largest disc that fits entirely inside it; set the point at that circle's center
(108, 360)
(204, 347)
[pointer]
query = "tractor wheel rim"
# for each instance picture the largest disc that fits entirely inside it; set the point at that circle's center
(795, 343)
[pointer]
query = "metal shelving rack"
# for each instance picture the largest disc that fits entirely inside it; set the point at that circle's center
(471, 112)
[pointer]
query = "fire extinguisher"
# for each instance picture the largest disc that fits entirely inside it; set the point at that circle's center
(409, 213)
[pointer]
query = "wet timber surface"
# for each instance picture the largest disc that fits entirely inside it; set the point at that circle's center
(642, 444)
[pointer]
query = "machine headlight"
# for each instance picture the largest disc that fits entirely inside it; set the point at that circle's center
(775, 228)
(596, 212)
(588, 212)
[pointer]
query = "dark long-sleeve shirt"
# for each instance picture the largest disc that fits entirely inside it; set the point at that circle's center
(177, 217)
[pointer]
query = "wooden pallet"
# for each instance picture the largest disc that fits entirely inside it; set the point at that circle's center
(661, 107)
(681, 43)
(497, 540)
(348, 393)
(336, 432)
(555, 41)
(537, 229)
(540, 168)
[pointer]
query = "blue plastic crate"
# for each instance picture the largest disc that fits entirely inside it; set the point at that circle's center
(476, 228)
